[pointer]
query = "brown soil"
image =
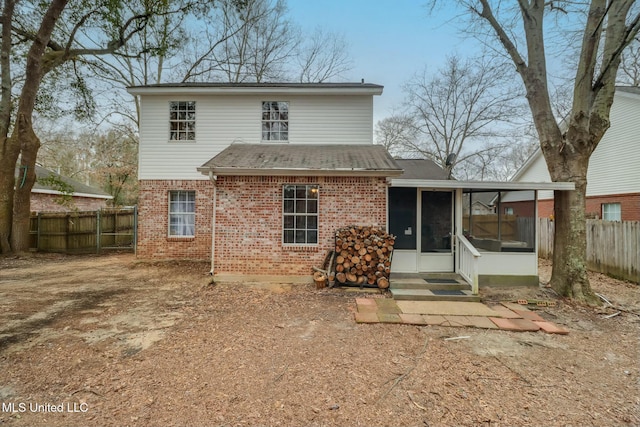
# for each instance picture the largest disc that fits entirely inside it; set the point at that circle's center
(123, 342)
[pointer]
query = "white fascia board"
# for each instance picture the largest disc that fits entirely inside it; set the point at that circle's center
(253, 91)
(628, 94)
(483, 185)
(297, 172)
(59, 193)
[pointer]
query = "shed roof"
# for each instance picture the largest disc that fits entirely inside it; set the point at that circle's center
(297, 159)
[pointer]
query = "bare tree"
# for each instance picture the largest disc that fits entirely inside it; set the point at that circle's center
(237, 41)
(106, 159)
(630, 66)
(498, 163)
(322, 57)
(115, 165)
(395, 133)
(261, 47)
(457, 110)
(607, 28)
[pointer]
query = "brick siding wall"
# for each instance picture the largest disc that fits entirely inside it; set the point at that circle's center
(629, 203)
(153, 218)
(249, 221)
(41, 202)
(523, 209)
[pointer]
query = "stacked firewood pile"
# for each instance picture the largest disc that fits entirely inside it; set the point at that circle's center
(363, 256)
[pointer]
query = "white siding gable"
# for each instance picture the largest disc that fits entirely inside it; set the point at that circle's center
(614, 167)
(225, 119)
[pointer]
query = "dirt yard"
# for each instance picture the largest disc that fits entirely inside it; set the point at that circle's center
(112, 341)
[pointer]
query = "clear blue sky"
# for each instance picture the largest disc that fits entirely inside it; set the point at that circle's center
(389, 40)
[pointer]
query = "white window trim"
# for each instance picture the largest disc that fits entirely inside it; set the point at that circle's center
(317, 215)
(618, 211)
(169, 213)
(288, 121)
(195, 123)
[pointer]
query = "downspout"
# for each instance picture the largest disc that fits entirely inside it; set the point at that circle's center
(213, 179)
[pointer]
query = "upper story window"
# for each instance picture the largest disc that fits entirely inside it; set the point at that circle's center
(182, 121)
(275, 121)
(611, 212)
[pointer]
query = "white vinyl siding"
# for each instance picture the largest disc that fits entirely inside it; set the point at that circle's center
(226, 119)
(613, 166)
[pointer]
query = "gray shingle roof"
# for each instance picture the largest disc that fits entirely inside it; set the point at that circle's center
(78, 187)
(420, 169)
(288, 159)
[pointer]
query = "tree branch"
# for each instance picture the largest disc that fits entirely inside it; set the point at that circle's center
(27, 35)
(487, 14)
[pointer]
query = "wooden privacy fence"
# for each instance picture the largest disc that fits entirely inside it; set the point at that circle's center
(612, 247)
(490, 226)
(505, 227)
(84, 232)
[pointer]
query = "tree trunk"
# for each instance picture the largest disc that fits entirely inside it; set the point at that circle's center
(7, 179)
(15, 211)
(569, 275)
(22, 196)
(8, 154)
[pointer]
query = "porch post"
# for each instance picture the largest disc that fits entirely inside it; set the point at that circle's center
(458, 227)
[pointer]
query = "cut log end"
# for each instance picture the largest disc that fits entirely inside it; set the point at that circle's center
(383, 282)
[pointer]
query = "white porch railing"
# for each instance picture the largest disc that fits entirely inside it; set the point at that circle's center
(468, 262)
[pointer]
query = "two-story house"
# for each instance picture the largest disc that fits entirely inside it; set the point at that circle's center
(258, 177)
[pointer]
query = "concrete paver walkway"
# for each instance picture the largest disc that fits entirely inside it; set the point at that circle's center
(505, 316)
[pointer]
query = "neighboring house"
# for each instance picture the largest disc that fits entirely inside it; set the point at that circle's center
(258, 177)
(613, 178)
(53, 192)
(483, 204)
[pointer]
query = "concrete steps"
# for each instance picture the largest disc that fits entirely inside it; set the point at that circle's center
(431, 287)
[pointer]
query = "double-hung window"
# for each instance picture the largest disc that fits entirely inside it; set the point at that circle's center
(275, 121)
(182, 120)
(182, 213)
(300, 214)
(611, 212)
